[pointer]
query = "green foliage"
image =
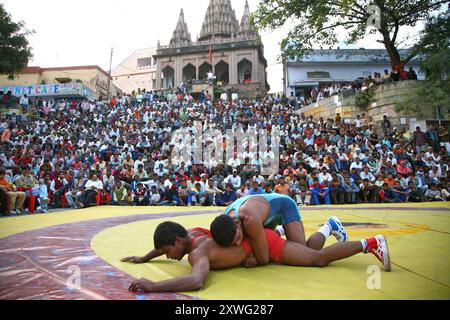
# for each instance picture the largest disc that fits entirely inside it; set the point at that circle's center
(433, 93)
(14, 49)
(363, 98)
(319, 22)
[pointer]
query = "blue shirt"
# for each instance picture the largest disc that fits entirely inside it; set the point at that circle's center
(258, 191)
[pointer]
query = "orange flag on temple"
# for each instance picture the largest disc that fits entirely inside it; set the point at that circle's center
(210, 54)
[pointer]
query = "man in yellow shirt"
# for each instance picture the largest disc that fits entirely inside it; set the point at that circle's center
(17, 197)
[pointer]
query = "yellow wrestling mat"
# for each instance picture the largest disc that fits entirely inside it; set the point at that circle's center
(417, 234)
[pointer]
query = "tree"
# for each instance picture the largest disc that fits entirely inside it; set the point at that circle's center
(14, 47)
(320, 21)
(434, 46)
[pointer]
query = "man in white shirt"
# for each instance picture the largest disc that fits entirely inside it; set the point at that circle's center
(325, 176)
(366, 174)
(234, 179)
(357, 164)
(94, 183)
(259, 178)
(234, 162)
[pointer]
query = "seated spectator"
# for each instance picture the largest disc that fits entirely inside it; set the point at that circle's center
(320, 193)
(212, 192)
(89, 196)
(58, 188)
(367, 191)
(234, 179)
(351, 190)
(337, 192)
(140, 196)
(227, 197)
(155, 197)
(197, 195)
(183, 194)
(433, 194)
(256, 189)
(242, 191)
(400, 193)
(17, 198)
(386, 195)
(282, 187)
(119, 193)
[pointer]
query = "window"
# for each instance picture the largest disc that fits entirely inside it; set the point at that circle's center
(318, 75)
(144, 63)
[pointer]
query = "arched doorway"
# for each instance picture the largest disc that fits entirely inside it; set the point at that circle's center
(222, 72)
(168, 77)
(189, 72)
(203, 71)
(245, 69)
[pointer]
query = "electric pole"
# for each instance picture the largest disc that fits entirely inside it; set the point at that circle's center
(109, 77)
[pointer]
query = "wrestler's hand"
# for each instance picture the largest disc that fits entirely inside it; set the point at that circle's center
(250, 261)
(133, 259)
(141, 284)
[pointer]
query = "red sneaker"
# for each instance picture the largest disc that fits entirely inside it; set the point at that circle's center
(378, 246)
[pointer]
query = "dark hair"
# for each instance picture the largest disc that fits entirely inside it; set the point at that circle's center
(166, 233)
(223, 230)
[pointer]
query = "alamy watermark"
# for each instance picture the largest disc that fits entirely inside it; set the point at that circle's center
(374, 19)
(74, 280)
(212, 147)
(374, 278)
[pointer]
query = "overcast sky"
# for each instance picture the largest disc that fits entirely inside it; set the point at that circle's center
(82, 32)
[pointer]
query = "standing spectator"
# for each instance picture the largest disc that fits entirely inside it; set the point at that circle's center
(24, 102)
(420, 140)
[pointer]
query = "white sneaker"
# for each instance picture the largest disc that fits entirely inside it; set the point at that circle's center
(380, 250)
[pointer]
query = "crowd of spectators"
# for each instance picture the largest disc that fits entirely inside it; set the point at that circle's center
(347, 88)
(76, 154)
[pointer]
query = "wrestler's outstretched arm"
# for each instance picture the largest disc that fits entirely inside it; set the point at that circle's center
(195, 281)
(149, 256)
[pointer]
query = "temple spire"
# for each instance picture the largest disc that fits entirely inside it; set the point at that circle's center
(181, 34)
(246, 29)
(220, 21)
